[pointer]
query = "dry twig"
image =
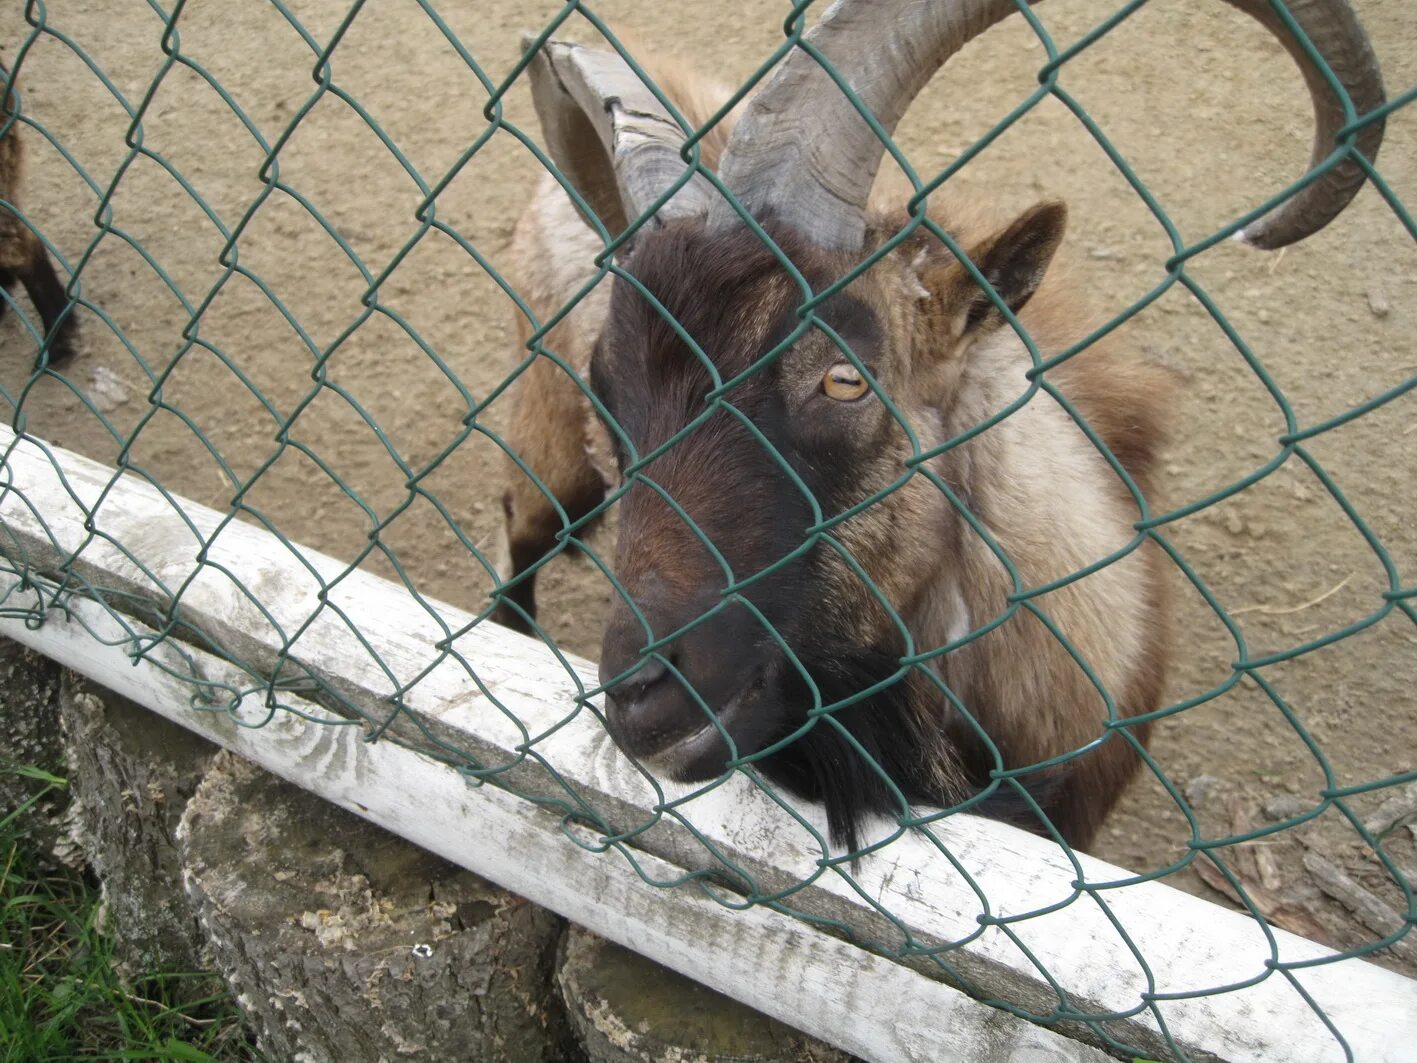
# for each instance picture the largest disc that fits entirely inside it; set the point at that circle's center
(1372, 911)
(1285, 610)
(1396, 810)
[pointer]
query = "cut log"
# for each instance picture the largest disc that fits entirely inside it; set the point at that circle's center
(131, 774)
(627, 1009)
(343, 942)
(29, 739)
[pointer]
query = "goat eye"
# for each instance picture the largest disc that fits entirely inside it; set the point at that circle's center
(844, 383)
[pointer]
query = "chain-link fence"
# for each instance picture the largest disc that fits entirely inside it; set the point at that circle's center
(286, 237)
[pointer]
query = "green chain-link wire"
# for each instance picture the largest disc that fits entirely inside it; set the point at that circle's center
(37, 594)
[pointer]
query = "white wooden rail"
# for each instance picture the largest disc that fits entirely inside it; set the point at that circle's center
(877, 1008)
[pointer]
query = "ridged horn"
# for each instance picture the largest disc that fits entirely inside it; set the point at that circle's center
(609, 136)
(802, 152)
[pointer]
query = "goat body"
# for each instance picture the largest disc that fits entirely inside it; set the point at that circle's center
(23, 258)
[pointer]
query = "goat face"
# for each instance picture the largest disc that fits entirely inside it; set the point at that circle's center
(804, 438)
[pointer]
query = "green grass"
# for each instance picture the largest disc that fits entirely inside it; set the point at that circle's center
(60, 997)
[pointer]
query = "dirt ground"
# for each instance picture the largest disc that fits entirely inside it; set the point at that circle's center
(1209, 112)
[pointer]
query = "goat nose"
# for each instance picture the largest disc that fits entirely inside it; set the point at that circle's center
(627, 635)
(649, 673)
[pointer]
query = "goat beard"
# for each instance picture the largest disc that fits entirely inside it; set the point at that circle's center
(871, 757)
(882, 753)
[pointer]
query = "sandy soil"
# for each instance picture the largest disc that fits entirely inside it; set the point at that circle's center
(1208, 111)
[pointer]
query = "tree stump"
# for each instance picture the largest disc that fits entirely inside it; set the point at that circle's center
(343, 942)
(29, 738)
(627, 1009)
(131, 773)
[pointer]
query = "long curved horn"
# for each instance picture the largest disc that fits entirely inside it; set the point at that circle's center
(803, 152)
(607, 133)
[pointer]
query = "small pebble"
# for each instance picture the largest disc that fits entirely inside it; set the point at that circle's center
(1286, 806)
(106, 390)
(1377, 302)
(1199, 789)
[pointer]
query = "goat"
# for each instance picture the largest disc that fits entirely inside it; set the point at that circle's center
(23, 258)
(848, 554)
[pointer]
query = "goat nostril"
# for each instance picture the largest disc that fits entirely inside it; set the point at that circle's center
(650, 673)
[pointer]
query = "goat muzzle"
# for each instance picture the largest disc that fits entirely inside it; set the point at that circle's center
(687, 708)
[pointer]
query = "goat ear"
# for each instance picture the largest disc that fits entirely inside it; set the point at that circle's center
(1013, 261)
(572, 140)
(612, 138)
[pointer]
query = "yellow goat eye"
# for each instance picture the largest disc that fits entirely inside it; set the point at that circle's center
(843, 383)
